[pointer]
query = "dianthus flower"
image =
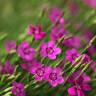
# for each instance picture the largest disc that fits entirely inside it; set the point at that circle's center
(36, 31)
(86, 59)
(54, 76)
(79, 86)
(49, 50)
(38, 70)
(10, 45)
(73, 42)
(18, 89)
(57, 33)
(26, 65)
(7, 68)
(72, 55)
(25, 51)
(55, 14)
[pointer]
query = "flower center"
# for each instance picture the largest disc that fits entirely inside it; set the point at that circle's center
(26, 51)
(53, 76)
(49, 50)
(86, 60)
(18, 90)
(59, 34)
(77, 84)
(40, 72)
(73, 56)
(36, 32)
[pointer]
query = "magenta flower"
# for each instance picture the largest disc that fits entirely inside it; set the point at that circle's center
(69, 42)
(93, 66)
(25, 51)
(54, 76)
(73, 8)
(10, 45)
(87, 35)
(57, 33)
(49, 50)
(7, 68)
(72, 55)
(38, 70)
(55, 14)
(36, 31)
(18, 89)
(92, 50)
(79, 86)
(86, 59)
(86, 78)
(78, 90)
(90, 3)
(27, 65)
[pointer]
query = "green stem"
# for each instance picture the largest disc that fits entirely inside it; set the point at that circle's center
(6, 90)
(86, 66)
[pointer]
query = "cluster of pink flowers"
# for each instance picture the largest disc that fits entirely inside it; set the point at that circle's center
(7, 68)
(49, 50)
(80, 85)
(41, 72)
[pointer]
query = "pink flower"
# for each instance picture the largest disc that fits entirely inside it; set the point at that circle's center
(90, 3)
(25, 51)
(69, 42)
(77, 90)
(54, 76)
(79, 86)
(7, 68)
(18, 89)
(55, 14)
(28, 64)
(72, 55)
(92, 50)
(10, 45)
(38, 70)
(50, 50)
(73, 8)
(86, 59)
(93, 66)
(57, 32)
(36, 31)
(87, 35)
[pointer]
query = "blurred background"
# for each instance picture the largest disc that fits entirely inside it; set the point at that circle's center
(16, 14)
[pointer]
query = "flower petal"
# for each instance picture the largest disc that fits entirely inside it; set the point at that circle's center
(72, 91)
(53, 83)
(60, 80)
(80, 93)
(57, 51)
(51, 44)
(37, 78)
(86, 87)
(52, 56)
